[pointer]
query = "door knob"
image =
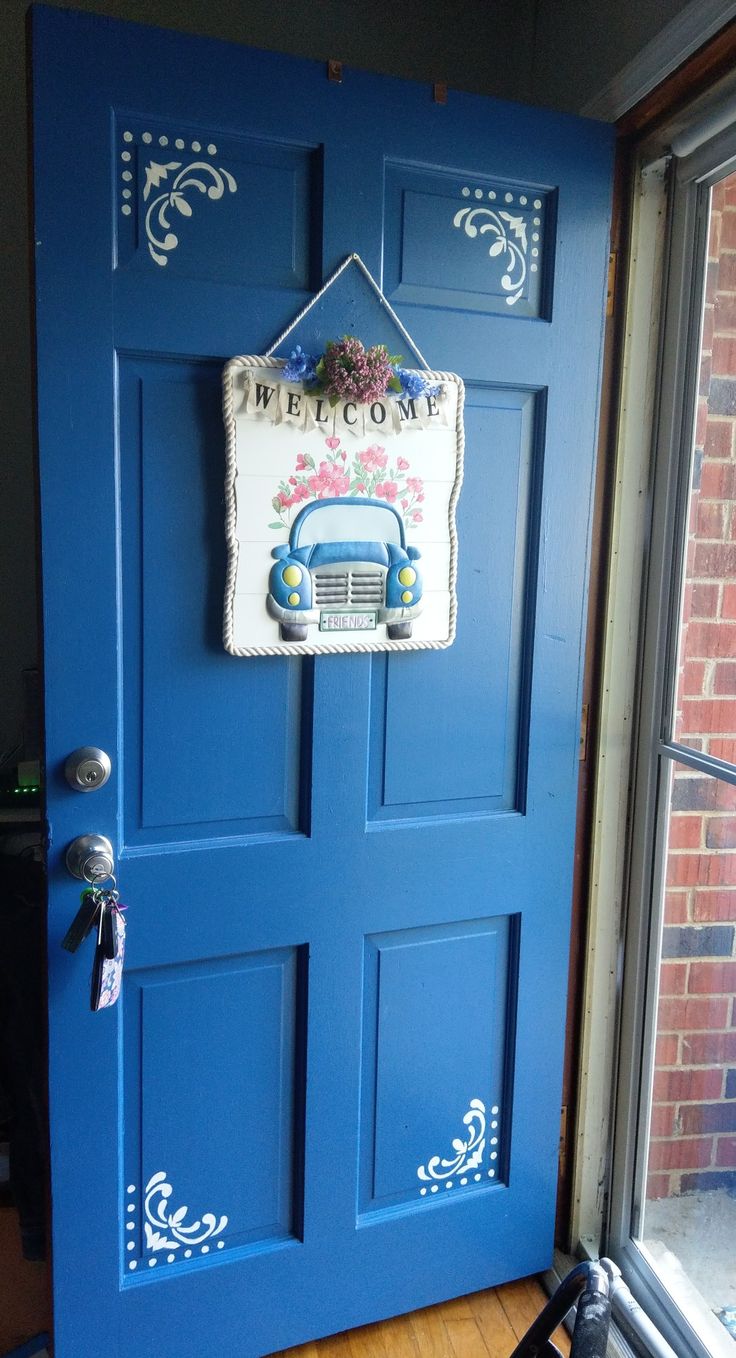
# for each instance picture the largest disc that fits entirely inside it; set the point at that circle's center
(87, 768)
(90, 858)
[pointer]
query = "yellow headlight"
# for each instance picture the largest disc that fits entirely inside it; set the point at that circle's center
(407, 576)
(294, 599)
(406, 597)
(292, 576)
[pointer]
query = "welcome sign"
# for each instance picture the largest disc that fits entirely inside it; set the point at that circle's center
(340, 517)
(285, 403)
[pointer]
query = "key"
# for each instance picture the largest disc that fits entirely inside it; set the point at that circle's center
(83, 921)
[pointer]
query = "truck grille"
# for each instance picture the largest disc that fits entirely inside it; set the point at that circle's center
(335, 587)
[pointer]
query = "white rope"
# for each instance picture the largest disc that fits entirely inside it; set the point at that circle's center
(304, 648)
(350, 259)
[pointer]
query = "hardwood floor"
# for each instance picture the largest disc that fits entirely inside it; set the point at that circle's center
(483, 1325)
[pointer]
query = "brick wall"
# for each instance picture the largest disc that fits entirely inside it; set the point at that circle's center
(693, 1130)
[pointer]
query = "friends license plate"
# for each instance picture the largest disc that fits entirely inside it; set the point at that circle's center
(342, 620)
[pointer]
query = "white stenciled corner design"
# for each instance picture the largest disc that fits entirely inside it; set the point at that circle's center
(512, 226)
(180, 182)
(166, 1231)
(469, 1164)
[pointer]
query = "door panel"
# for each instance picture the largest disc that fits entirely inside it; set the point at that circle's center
(173, 563)
(348, 877)
(202, 1104)
(420, 987)
(446, 736)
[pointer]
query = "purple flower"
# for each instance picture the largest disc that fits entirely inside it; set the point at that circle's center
(414, 384)
(354, 373)
(300, 367)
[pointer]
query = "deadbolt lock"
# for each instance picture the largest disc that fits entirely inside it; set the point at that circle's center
(87, 768)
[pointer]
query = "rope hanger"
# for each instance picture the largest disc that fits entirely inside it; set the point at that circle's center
(350, 259)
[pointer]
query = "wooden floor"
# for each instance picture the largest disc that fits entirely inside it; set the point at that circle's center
(483, 1325)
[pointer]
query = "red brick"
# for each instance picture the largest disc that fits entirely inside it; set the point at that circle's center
(704, 602)
(687, 1015)
(717, 715)
(709, 521)
(686, 832)
(725, 306)
(683, 1086)
(719, 433)
(720, 832)
(673, 978)
(683, 869)
(663, 1116)
(728, 230)
(723, 749)
(708, 1117)
(693, 793)
(714, 236)
(701, 421)
(724, 358)
(714, 561)
(711, 640)
(727, 272)
(700, 1049)
(693, 678)
(718, 479)
(666, 1049)
(718, 869)
(682, 1154)
(708, 327)
(658, 1186)
(712, 978)
(726, 1151)
(724, 677)
(676, 907)
(714, 905)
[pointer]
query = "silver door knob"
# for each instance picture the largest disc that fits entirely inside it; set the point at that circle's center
(87, 768)
(90, 858)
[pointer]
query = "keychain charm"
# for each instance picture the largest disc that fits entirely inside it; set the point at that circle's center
(101, 905)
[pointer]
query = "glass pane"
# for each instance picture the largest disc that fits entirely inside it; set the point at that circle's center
(688, 1226)
(705, 716)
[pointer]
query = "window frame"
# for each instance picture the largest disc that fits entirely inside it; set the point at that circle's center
(655, 752)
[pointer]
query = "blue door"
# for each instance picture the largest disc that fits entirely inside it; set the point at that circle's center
(330, 1090)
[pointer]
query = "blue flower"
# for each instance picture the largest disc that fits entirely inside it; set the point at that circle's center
(301, 367)
(414, 384)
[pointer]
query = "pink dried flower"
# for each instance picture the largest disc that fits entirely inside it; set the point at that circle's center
(354, 373)
(415, 484)
(402, 464)
(417, 516)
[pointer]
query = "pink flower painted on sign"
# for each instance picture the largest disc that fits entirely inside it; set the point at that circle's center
(369, 474)
(374, 459)
(329, 480)
(386, 490)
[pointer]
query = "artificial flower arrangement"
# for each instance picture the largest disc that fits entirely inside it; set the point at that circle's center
(347, 371)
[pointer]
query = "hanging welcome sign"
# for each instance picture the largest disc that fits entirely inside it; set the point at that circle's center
(343, 472)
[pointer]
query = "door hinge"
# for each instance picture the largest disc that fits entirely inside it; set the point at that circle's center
(563, 1140)
(611, 289)
(583, 746)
